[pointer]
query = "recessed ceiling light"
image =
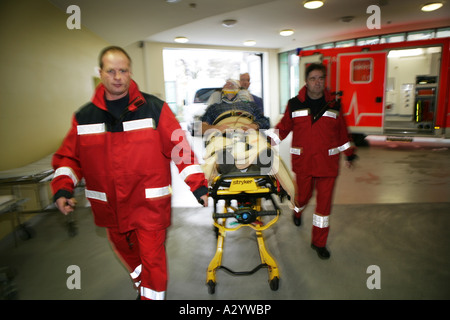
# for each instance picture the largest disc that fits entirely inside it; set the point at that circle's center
(431, 6)
(313, 4)
(347, 19)
(181, 39)
(249, 43)
(286, 32)
(229, 23)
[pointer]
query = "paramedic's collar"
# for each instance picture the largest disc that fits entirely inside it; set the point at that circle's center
(136, 98)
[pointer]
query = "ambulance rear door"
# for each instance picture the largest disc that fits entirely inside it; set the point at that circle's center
(361, 78)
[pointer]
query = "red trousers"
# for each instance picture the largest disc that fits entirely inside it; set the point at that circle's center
(143, 253)
(324, 187)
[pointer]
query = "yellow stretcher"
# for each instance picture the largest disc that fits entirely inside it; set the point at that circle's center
(247, 185)
(247, 190)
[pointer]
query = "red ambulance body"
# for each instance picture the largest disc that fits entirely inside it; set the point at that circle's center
(394, 89)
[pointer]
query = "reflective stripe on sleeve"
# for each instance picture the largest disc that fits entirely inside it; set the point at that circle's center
(66, 171)
(96, 195)
(344, 147)
(273, 135)
(186, 172)
(321, 221)
(334, 151)
(157, 192)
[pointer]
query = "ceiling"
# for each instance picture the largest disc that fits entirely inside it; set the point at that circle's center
(125, 22)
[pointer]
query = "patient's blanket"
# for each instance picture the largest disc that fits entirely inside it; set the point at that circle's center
(237, 150)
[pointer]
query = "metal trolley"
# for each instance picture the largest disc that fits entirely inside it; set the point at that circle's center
(247, 190)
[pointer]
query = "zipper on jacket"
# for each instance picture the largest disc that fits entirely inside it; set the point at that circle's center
(131, 107)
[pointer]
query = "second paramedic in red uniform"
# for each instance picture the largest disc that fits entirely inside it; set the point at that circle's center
(122, 143)
(319, 136)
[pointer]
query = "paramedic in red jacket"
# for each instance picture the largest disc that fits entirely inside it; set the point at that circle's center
(319, 136)
(122, 143)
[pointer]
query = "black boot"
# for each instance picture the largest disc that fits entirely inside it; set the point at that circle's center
(322, 252)
(297, 221)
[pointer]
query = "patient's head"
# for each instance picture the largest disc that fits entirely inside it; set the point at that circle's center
(230, 89)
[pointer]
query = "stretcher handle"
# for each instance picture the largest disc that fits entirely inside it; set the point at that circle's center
(233, 214)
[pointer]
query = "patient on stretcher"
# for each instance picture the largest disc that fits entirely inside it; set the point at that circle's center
(234, 102)
(230, 129)
(233, 130)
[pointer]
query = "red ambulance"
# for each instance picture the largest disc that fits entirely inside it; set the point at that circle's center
(393, 89)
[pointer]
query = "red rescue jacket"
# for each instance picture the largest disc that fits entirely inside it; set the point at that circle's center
(126, 162)
(316, 146)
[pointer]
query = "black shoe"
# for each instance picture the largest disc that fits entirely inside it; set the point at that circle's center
(297, 221)
(322, 252)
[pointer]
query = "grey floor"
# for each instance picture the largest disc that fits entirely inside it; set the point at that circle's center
(391, 211)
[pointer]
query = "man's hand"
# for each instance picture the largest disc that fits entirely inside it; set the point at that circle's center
(65, 205)
(204, 200)
(350, 161)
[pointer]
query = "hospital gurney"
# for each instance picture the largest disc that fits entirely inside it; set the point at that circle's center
(32, 182)
(11, 204)
(247, 190)
(243, 185)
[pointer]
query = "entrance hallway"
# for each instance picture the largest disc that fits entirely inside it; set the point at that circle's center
(392, 211)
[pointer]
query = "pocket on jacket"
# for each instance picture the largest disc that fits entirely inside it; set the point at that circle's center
(104, 215)
(91, 134)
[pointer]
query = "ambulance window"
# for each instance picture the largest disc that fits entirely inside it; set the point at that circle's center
(391, 38)
(367, 41)
(361, 70)
(443, 33)
(345, 43)
(420, 35)
(328, 45)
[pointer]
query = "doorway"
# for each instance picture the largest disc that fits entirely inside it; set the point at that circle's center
(411, 90)
(188, 70)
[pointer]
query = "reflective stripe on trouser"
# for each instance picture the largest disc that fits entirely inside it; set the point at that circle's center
(143, 253)
(320, 230)
(298, 211)
(324, 187)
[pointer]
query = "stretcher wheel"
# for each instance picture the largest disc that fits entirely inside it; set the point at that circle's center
(274, 284)
(211, 287)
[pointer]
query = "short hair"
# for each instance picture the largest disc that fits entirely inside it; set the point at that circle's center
(111, 49)
(315, 66)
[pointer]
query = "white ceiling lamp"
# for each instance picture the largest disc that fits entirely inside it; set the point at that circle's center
(431, 6)
(249, 43)
(181, 39)
(313, 4)
(286, 32)
(229, 23)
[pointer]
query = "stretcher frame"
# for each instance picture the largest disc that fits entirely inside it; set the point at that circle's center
(264, 187)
